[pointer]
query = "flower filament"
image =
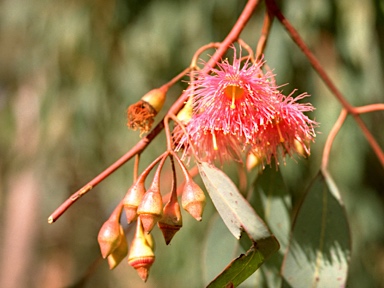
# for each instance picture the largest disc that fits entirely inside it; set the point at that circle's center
(233, 92)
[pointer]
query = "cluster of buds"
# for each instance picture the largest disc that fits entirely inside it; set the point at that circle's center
(147, 209)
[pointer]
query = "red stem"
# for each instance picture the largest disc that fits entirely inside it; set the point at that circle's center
(143, 143)
(369, 108)
(331, 137)
(267, 24)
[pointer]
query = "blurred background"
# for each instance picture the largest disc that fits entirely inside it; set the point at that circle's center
(68, 72)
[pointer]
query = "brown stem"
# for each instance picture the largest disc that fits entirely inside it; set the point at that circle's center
(233, 34)
(116, 213)
(200, 50)
(193, 172)
(174, 182)
(243, 44)
(331, 137)
(370, 138)
(175, 79)
(156, 178)
(369, 108)
(136, 167)
(267, 24)
(184, 169)
(179, 103)
(168, 134)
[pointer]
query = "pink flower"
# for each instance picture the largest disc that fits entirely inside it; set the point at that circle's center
(289, 130)
(238, 106)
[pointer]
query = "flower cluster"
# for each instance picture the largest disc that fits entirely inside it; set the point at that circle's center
(238, 106)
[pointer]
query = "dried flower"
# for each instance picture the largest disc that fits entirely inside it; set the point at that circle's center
(142, 113)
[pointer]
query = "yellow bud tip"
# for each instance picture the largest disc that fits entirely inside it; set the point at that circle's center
(252, 161)
(280, 134)
(214, 142)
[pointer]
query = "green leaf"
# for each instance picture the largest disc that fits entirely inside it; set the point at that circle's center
(272, 203)
(246, 264)
(214, 260)
(233, 208)
(319, 249)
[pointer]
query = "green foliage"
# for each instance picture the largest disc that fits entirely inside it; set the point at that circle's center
(319, 250)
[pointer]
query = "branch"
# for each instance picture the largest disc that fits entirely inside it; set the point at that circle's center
(143, 143)
(331, 137)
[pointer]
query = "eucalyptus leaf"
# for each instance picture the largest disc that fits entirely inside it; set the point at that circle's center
(234, 209)
(272, 202)
(319, 249)
(246, 264)
(214, 260)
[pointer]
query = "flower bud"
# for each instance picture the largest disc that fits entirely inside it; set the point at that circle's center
(171, 222)
(150, 209)
(252, 161)
(185, 114)
(141, 256)
(120, 252)
(301, 148)
(132, 200)
(109, 237)
(193, 199)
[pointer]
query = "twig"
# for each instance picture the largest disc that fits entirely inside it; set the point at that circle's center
(331, 137)
(268, 18)
(369, 108)
(179, 103)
